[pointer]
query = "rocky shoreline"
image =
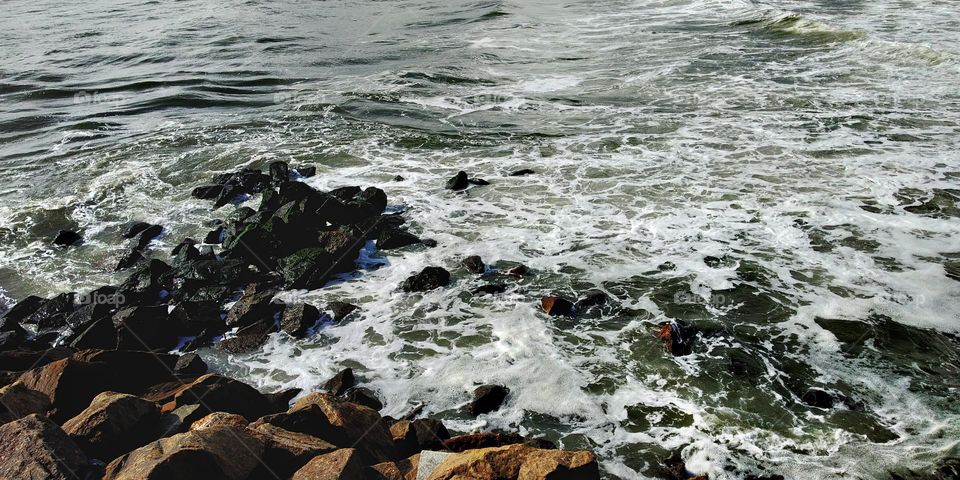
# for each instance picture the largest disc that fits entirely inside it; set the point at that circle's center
(92, 389)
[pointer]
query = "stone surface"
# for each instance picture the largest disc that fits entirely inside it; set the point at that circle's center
(35, 448)
(349, 423)
(113, 424)
(286, 451)
(216, 393)
(428, 279)
(18, 401)
(297, 319)
(342, 464)
(340, 382)
(556, 306)
(519, 462)
(487, 398)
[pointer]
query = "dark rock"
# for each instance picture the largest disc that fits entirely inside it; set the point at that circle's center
(411, 437)
(676, 337)
(18, 401)
(53, 312)
(187, 242)
(215, 236)
(249, 338)
(474, 264)
(253, 307)
(341, 310)
(306, 171)
(207, 192)
(522, 172)
(25, 358)
(36, 448)
(374, 197)
(489, 289)
(131, 371)
(593, 298)
(363, 396)
(519, 271)
(145, 328)
(68, 384)
(113, 424)
(195, 317)
(135, 229)
(340, 382)
(712, 262)
(458, 181)
(479, 181)
(345, 194)
(190, 365)
(24, 308)
(286, 451)
(557, 306)
(216, 393)
(147, 235)
(298, 318)
(487, 398)
(10, 340)
(473, 441)
(395, 238)
(279, 172)
(816, 397)
(280, 401)
(428, 279)
(100, 333)
(132, 258)
(428, 242)
(667, 266)
(398, 178)
(67, 238)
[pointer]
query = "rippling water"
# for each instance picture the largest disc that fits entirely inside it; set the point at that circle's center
(813, 147)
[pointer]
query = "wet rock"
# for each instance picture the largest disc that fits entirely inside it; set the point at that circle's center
(67, 238)
(24, 308)
(69, 384)
(519, 271)
(53, 312)
(207, 192)
(487, 398)
(308, 268)
(253, 307)
(279, 172)
(342, 464)
(131, 371)
(298, 318)
(395, 238)
(522, 172)
(12, 334)
(458, 181)
(411, 437)
(518, 461)
(474, 264)
(306, 171)
(479, 181)
(36, 448)
(470, 441)
(428, 279)
(18, 401)
(195, 317)
(99, 334)
(280, 401)
(428, 242)
(557, 306)
(190, 365)
(145, 328)
(114, 423)
(135, 229)
(25, 358)
(147, 235)
(363, 396)
(216, 393)
(374, 198)
(489, 289)
(593, 298)
(286, 451)
(249, 338)
(398, 178)
(348, 424)
(816, 397)
(713, 262)
(676, 338)
(215, 236)
(340, 382)
(129, 260)
(226, 453)
(341, 310)
(666, 266)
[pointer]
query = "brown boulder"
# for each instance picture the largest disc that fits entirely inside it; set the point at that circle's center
(518, 462)
(486, 399)
(35, 448)
(405, 469)
(220, 452)
(216, 393)
(286, 451)
(556, 306)
(114, 423)
(69, 384)
(342, 464)
(340, 382)
(349, 423)
(18, 401)
(220, 419)
(411, 437)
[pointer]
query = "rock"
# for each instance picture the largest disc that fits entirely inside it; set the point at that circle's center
(298, 318)
(224, 452)
(522, 172)
(411, 437)
(279, 172)
(306, 171)
(24, 308)
(147, 235)
(113, 424)
(25, 358)
(374, 197)
(342, 464)
(458, 181)
(557, 306)
(18, 401)
(518, 271)
(675, 338)
(145, 328)
(249, 338)
(215, 236)
(520, 462)
(69, 384)
(593, 298)
(216, 393)
(190, 365)
(179, 420)
(473, 441)
(712, 262)
(280, 401)
(67, 238)
(489, 289)
(391, 238)
(35, 448)
(12, 333)
(195, 317)
(207, 192)
(487, 398)
(405, 469)
(308, 268)
(286, 451)
(135, 228)
(53, 312)
(479, 181)
(220, 419)
(666, 266)
(340, 382)
(131, 371)
(129, 260)
(398, 178)
(428, 242)
(346, 424)
(363, 396)
(816, 397)
(428, 279)
(341, 310)
(253, 307)
(101, 334)
(474, 264)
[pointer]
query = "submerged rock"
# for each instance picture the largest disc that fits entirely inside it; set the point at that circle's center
(557, 306)
(458, 181)
(340, 382)
(298, 318)
(489, 289)
(474, 264)
(522, 172)
(676, 339)
(341, 310)
(395, 238)
(486, 399)
(67, 238)
(428, 279)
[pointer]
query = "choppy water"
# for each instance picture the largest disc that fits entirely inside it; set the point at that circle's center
(793, 140)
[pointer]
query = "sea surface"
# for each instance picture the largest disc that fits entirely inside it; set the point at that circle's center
(811, 147)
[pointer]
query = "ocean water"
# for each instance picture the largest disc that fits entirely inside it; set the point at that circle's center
(813, 147)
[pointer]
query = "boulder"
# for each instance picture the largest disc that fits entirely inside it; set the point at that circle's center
(363, 396)
(190, 365)
(340, 310)
(131, 371)
(340, 382)
(66, 238)
(472, 441)
(145, 328)
(280, 401)
(216, 393)
(279, 172)
(428, 279)
(114, 423)
(253, 307)
(194, 317)
(348, 424)
(474, 264)
(53, 312)
(404, 469)
(557, 306)
(487, 398)
(411, 437)
(342, 464)
(392, 238)
(519, 271)
(298, 318)
(286, 451)
(458, 181)
(819, 398)
(24, 308)
(18, 401)
(305, 171)
(593, 298)
(25, 358)
(35, 448)
(519, 462)
(489, 289)
(249, 338)
(220, 419)
(207, 192)
(522, 172)
(179, 420)
(676, 338)
(100, 334)
(69, 384)
(221, 452)
(135, 228)
(147, 235)
(308, 268)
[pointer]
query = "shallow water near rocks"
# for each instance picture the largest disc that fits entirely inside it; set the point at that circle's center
(810, 147)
